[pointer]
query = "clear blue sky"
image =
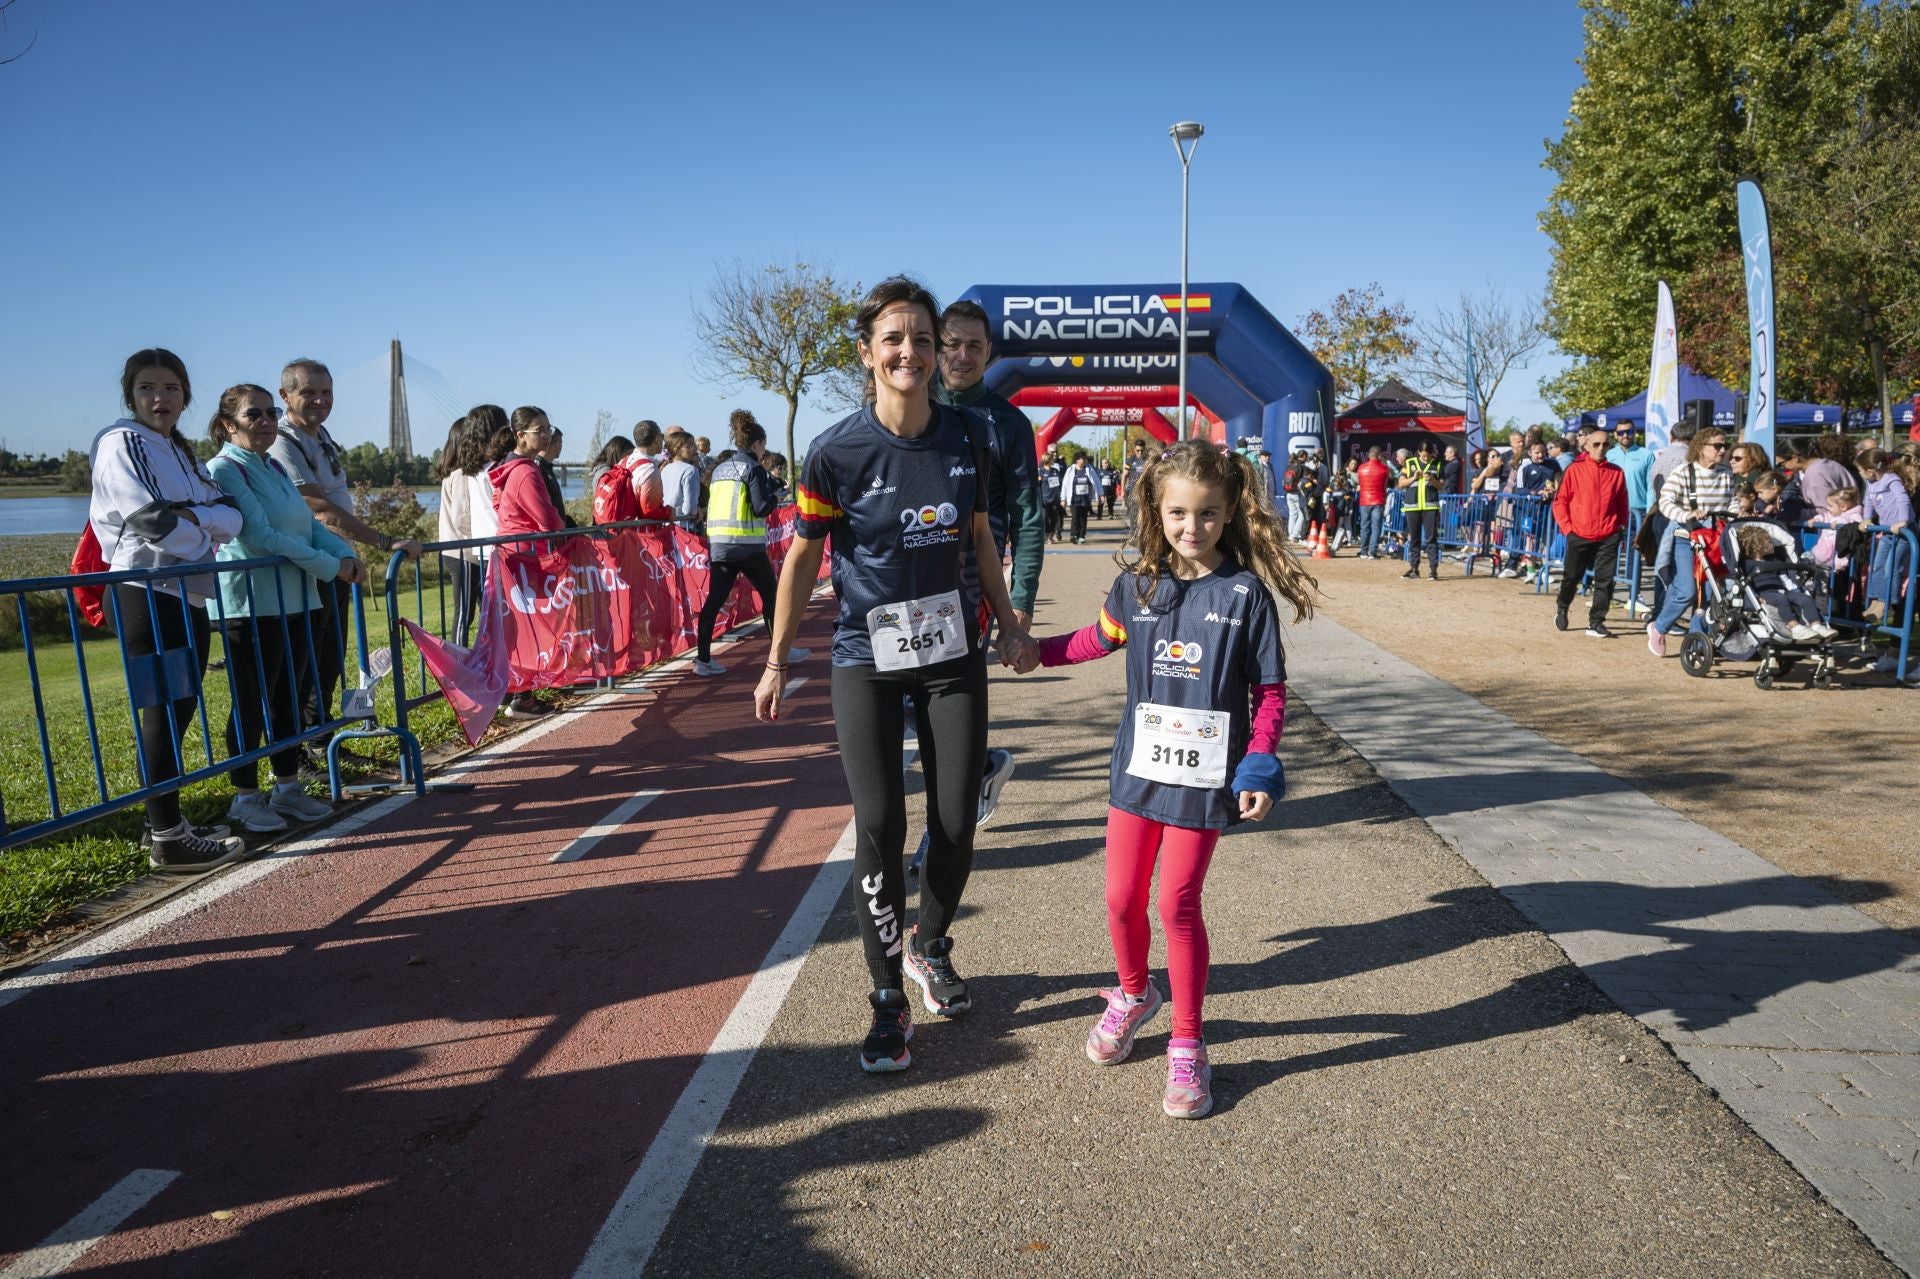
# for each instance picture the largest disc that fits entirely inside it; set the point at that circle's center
(531, 196)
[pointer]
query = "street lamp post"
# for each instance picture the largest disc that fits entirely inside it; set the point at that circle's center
(1186, 138)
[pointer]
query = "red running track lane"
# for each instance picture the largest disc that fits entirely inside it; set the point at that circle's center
(429, 1050)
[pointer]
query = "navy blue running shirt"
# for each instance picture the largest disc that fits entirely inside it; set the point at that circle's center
(900, 513)
(1199, 645)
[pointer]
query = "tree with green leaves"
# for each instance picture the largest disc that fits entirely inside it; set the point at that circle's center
(775, 327)
(1681, 99)
(1362, 338)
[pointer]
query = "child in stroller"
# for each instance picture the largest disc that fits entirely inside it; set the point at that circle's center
(1756, 602)
(1781, 584)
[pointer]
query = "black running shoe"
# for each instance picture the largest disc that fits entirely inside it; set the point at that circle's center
(1560, 620)
(1598, 630)
(941, 988)
(189, 854)
(1412, 574)
(885, 1048)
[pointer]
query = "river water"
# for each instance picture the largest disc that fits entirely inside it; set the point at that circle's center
(20, 515)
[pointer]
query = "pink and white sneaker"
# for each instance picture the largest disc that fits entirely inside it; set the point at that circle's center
(1189, 1092)
(1111, 1038)
(1656, 641)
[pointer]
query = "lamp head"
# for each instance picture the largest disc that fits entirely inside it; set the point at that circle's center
(1186, 131)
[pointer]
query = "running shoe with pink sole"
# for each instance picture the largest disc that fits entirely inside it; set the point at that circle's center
(1111, 1038)
(1189, 1092)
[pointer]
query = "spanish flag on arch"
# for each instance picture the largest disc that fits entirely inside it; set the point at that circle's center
(1195, 301)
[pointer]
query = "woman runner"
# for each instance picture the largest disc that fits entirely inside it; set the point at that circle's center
(898, 487)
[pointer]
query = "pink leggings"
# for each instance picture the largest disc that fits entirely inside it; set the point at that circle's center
(1133, 845)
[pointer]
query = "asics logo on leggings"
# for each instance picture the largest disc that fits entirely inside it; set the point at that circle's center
(884, 920)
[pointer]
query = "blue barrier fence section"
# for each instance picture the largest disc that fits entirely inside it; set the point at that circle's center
(1873, 594)
(213, 647)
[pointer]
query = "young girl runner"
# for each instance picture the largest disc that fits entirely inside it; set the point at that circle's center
(1206, 695)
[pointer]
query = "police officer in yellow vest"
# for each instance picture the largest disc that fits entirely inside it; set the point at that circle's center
(740, 496)
(1420, 482)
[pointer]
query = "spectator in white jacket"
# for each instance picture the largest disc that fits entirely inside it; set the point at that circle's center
(155, 507)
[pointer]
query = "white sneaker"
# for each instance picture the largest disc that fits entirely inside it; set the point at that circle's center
(1656, 641)
(1508, 572)
(1802, 633)
(250, 811)
(798, 655)
(295, 804)
(708, 667)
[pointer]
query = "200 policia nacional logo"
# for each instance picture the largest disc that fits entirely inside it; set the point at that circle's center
(929, 525)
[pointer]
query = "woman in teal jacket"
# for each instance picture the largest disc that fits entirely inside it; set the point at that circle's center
(263, 610)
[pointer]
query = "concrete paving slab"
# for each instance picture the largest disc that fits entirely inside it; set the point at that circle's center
(1752, 964)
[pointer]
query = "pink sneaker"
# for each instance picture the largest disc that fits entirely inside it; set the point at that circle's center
(1189, 1092)
(1111, 1039)
(1656, 642)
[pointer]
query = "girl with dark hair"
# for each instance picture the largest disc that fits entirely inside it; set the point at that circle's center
(899, 487)
(476, 459)
(739, 500)
(462, 567)
(1195, 750)
(269, 632)
(520, 497)
(154, 506)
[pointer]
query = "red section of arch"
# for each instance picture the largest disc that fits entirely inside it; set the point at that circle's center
(1109, 406)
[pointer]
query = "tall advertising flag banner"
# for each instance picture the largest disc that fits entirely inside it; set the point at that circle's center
(1476, 429)
(1756, 247)
(1663, 378)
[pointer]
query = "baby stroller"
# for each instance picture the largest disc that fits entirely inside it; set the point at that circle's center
(1730, 620)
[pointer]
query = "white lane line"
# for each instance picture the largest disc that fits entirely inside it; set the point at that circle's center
(632, 1230)
(96, 1221)
(626, 812)
(794, 684)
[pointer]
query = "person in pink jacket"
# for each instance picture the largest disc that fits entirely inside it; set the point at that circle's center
(522, 504)
(520, 498)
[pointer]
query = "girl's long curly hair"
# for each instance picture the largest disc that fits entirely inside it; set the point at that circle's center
(1253, 537)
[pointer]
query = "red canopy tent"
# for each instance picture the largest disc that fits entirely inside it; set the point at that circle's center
(1397, 416)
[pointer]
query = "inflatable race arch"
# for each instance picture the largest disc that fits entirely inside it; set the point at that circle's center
(1246, 373)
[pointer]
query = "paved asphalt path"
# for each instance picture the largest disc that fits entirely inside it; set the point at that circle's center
(431, 1050)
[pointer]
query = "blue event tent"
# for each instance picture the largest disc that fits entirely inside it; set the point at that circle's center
(1693, 386)
(1869, 419)
(1820, 417)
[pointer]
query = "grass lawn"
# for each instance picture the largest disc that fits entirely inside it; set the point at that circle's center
(41, 882)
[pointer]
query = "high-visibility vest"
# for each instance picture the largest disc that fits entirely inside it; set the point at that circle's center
(1424, 493)
(730, 516)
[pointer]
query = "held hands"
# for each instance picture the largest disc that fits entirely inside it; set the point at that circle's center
(1017, 649)
(1254, 804)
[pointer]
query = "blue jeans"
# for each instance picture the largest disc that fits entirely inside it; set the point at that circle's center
(1372, 520)
(1680, 591)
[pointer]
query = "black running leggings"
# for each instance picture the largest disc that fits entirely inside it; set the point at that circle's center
(758, 569)
(171, 626)
(950, 711)
(267, 658)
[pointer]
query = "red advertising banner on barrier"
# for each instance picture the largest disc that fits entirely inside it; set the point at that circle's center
(587, 607)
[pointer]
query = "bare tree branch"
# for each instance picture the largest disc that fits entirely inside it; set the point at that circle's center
(1505, 336)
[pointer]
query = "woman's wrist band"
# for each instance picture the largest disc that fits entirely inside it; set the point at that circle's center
(776, 666)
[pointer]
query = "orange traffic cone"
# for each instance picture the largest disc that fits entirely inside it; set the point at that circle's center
(1320, 551)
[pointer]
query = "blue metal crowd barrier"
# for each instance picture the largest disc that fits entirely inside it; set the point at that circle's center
(1887, 575)
(163, 678)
